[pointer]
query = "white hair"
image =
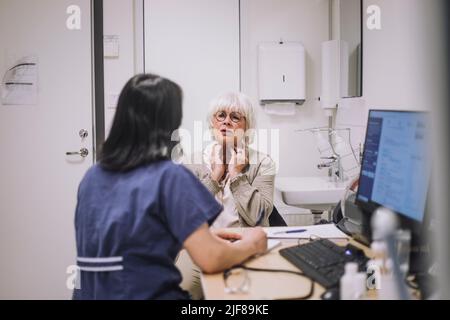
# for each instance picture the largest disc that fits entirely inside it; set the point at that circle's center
(233, 101)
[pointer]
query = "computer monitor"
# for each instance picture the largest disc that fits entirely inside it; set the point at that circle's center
(396, 169)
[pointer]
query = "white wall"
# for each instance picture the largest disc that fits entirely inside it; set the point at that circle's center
(302, 21)
(401, 69)
(401, 61)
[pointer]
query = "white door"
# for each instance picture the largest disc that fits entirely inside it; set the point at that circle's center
(38, 182)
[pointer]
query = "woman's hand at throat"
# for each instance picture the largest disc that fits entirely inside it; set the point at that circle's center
(218, 166)
(238, 162)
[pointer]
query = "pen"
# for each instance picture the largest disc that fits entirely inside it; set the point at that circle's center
(291, 231)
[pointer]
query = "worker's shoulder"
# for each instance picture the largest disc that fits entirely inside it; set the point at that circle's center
(171, 168)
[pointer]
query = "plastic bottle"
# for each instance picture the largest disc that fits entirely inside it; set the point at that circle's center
(360, 285)
(377, 265)
(384, 224)
(379, 254)
(352, 283)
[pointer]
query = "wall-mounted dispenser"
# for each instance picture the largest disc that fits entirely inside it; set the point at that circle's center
(334, 74)
(281, 73)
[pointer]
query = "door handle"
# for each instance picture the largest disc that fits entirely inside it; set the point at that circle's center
(83, 152)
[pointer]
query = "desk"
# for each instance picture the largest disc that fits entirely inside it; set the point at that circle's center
(268, 285)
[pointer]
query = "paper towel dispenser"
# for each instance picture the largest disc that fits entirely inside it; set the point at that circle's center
(281, 72)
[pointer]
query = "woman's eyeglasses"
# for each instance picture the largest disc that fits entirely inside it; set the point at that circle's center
(236, 117)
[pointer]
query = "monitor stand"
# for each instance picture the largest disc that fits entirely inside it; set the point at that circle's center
(356, 223)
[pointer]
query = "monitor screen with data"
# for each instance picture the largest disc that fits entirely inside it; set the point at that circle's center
(395, 169)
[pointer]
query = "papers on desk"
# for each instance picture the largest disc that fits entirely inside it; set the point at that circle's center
(272, 243)
(326, 231)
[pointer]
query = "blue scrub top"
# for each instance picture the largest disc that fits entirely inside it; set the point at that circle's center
(131, 226)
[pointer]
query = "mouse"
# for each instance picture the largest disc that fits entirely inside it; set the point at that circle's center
(331, 294)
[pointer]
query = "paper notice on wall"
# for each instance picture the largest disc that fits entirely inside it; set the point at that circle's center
(20, 81)
(111, 46)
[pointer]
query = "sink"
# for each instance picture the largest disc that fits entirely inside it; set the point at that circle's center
(314, 193)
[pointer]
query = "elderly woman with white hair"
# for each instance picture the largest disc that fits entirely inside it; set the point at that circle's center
(241, 179)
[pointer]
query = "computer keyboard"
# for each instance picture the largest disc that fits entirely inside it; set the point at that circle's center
(324, 261)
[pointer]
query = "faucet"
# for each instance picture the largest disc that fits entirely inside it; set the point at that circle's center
(334, 166)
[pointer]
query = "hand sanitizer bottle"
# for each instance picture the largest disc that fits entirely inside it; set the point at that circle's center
(347, 288)
(353, 283)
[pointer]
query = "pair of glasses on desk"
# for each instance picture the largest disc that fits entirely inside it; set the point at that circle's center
(237, 279)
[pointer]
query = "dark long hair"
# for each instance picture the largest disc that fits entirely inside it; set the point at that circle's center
(148, 111)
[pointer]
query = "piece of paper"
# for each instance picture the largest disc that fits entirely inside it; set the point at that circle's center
(19, 83)
(111, 46)
(326, 231)
(272, 243)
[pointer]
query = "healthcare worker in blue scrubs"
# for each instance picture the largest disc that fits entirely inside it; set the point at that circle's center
(137, 209)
